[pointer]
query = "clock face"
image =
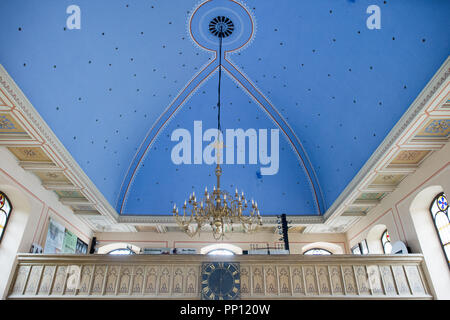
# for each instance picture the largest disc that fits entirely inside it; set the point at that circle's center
(221, 281)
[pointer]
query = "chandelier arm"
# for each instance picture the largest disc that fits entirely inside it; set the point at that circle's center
(183, 221)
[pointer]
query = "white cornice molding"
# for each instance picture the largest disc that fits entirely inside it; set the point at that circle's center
(364, 203)
(75, 201)
(64, 186)
(416, 110)
(266, 220)
(39, 166)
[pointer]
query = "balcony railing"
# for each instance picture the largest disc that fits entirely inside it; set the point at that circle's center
(178, 277)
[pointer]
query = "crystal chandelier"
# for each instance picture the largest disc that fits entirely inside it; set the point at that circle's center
(218, 209)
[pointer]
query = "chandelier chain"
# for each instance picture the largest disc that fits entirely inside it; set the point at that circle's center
(219, 129)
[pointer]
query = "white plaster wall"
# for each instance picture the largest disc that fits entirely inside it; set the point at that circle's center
(32, 207)
(418, 233)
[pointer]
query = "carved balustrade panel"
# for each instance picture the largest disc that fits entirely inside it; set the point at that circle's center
(178, 277)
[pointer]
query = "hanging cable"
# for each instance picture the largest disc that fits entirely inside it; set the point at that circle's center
(220, 76)
(219, 129)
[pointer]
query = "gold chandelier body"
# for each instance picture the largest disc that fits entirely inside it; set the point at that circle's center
(218, 209)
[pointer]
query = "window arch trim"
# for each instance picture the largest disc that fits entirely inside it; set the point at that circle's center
(441, 212)
(325, 252)
(227, 246)
(122, 250)
(4, 201)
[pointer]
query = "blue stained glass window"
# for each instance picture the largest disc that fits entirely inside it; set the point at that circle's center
(386, 241)
(5, 212)
(439, 213)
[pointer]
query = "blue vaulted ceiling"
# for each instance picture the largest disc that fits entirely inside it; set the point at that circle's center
(115, 90)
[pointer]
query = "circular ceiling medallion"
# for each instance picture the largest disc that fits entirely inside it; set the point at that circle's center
(221, 26)
(229, 19)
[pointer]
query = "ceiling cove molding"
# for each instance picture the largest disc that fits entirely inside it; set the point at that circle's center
(198, 37)
(419, 110)
(42, 133)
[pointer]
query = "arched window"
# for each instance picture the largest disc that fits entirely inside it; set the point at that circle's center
(221, 252)
(386, 242)
(221, 248)
(121, 251)
(117, 248)
(5, 211)
(317, 251)
(439, 212)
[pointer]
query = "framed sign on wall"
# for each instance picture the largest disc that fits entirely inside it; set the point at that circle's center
(55, 237)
